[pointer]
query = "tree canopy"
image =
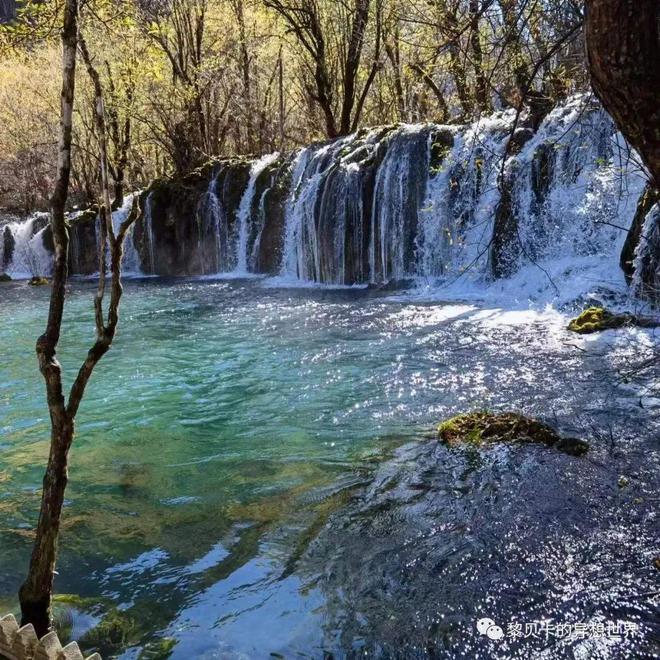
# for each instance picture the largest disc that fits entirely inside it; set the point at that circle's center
(189, 80)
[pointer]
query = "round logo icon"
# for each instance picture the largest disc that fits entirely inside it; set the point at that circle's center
(484, 624)
(489, 628)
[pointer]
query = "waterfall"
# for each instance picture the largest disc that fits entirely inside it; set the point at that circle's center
(458, 210)
(646, 280)
(149, 232)
(326, 235)
(23, 253)
(392, 203)
(246, 235)
(434, 203)
(212, 225)
(397, 195)
(570, 187)
(130, 262)
(426, 203)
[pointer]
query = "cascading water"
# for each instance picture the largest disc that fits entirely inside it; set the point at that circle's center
(428, 203)
(149, 233)
(646, 278)
(248, 230)
(212, 222)
(378, 207)
(397, 196)
(332, 204)
(569, 190)
(434, 203)
(23, 253)
(456, 218)
(131, 259)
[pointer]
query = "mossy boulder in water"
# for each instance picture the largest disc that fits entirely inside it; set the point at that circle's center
(5, 277)
(596, 319)
(160, 649)
(38, 281)
(483, 428)
(116, 630)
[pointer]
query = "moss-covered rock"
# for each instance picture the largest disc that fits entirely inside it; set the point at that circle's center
(596, 319)
(483, 428)
(116, 630)
(441, 145)
(38, 281)
(5, 277)
(158, 650)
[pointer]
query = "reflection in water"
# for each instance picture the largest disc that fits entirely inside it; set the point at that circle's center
(231, 488)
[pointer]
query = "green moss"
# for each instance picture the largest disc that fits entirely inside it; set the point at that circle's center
(443, 142)
(596, 319)
(79, 602)
(481, 428)
(158, 650)
(115, 631)
(38, 281)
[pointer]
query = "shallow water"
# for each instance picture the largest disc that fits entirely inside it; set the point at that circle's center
(232, 420)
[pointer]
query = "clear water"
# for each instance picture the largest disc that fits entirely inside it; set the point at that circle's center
(232, 421)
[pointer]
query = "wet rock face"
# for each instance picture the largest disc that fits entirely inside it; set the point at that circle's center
(646, 274)
(171, 236)
(83, 241)
(83, 256)
(646, 202)
(269, 203)
(8, 246)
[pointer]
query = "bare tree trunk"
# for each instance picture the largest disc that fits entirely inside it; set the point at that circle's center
(245, 73)
(324, 91)
(456, 66)
(481, 84)
(280, 85)
(356, 41)
(35, 593)
(623, 48)
(121, 139)
(393, 52)
(430, 83)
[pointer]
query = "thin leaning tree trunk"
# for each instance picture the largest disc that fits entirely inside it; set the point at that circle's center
(35, 593)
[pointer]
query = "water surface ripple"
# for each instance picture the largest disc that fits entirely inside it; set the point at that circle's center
(250, 474)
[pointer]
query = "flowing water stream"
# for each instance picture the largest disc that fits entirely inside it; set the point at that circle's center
(251, 475)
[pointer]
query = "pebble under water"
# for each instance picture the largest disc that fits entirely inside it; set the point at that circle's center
(253, 475)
